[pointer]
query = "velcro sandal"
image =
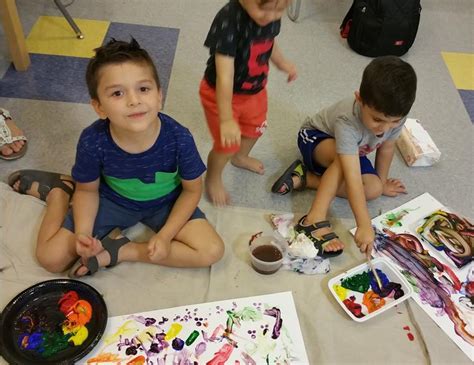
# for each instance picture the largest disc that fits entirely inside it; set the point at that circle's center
(319, 243)
(297, 168)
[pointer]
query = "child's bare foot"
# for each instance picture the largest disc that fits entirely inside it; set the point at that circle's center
(11, 149)
(248, 163)
(216, 192)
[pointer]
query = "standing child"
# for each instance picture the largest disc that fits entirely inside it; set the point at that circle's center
(241, 42)
(334, 144)
(134, 164)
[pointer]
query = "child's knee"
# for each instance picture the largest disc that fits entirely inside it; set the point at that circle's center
(50, 262)
(374, 189)
(216, 250)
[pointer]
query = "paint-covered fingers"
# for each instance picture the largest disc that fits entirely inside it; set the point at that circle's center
(364, 239)
(394, 187)
(158, 249)
(230, 133)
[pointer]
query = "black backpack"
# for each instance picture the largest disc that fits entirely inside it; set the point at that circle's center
(381, 27)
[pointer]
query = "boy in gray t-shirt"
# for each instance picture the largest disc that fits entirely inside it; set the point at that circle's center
(334, 144)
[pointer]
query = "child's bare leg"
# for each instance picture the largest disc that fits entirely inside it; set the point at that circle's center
(196, 245)
(215, 189)
(372, 187)
(243, 160)
(327, 187)
(55, 249)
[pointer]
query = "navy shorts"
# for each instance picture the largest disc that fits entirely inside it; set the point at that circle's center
(308, 139)
(111, 215)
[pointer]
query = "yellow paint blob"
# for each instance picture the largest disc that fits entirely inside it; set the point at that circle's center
(173, 331)
(80, 336)
(340, 291)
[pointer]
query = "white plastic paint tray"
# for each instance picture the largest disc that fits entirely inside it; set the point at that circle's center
(393, 275)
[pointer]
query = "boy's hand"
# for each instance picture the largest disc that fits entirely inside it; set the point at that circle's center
(230, 133)
(158, 248)
(393, 187)
(290, 69)
(87, 246)
(364, 239)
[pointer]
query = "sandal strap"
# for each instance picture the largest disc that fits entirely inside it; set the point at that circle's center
(302, 176)
(92, 265)
(112, 246)
(5, 132)
(312, 227)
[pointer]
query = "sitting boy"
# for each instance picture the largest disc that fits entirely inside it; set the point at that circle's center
(134, 164)
(334, 144)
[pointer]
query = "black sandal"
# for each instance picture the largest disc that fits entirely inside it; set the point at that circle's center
(47, 181)
(112, 246)
(297, 168)
(319, 243)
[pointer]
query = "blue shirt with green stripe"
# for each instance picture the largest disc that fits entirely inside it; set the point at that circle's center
(138, 180)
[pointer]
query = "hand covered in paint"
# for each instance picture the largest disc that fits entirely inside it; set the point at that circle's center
(158, 248)
(230, 133)
(87, 246)
(393, 187)
(290, 69)
(364, 239)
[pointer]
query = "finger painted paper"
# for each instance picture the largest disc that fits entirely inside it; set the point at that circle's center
(433, 249)
(255, 330)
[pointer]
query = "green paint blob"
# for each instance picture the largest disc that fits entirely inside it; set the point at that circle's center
(53, 343)
(249, 314)
(359, 282)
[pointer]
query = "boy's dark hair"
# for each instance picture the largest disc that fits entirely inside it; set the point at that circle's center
(389, 86)
(116, 52)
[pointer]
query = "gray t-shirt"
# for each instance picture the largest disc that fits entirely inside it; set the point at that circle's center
(342, 121)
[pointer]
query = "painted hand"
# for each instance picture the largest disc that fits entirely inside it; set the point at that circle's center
(230, 133)
(158, 248)
(364, 239)
(394, 187)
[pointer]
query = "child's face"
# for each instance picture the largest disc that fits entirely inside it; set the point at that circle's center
(375, 121)
(128, 96)
(263, 13)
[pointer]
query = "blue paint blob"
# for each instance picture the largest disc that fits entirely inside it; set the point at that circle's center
(177, 344)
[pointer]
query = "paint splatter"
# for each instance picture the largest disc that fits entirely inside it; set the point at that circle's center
(395, 219)
(451, 234)
(409, 334)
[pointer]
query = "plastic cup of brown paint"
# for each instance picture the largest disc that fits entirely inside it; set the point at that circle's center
(266, 256)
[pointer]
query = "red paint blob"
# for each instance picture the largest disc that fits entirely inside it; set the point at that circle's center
(410, 336)
(406, 328)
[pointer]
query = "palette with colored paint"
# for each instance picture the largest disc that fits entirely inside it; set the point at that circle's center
(359, 294)
(52, 322)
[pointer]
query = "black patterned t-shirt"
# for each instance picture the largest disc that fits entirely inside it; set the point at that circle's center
(233, 33)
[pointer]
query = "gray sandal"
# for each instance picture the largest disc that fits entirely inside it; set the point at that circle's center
(112, 246)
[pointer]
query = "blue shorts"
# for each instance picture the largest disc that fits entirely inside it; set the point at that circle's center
(308, 139)
(111, 215)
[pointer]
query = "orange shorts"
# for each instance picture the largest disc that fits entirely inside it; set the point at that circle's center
(249, 110)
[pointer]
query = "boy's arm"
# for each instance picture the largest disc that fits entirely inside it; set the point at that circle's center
(230, 131)
(183, 208)
(86, 205)
(364, 236)
(282, 63)
(383, 160)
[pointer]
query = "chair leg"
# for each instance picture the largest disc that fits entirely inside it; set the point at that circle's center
(71, 22)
